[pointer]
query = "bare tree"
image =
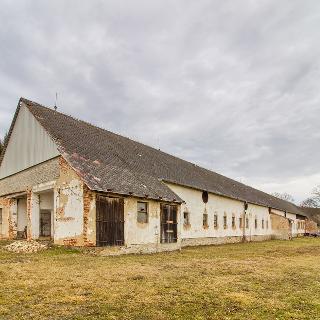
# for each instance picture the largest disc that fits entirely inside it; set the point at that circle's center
(314, 200)
(284, 196)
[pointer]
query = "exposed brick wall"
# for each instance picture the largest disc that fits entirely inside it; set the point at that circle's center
(280, 226)
(44, 172)
(311, 226)
(88, 217)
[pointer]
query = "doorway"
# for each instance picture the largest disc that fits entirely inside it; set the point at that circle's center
(168, 221)
(45, 224)
(109, 221)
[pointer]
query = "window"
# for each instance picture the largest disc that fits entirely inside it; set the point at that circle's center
(225, 225)
(262, 223)
(247, 223)
(215, 220)
(267, 224)
(256, 223)
(0, 215)
(205, 220)
(142, 216)
(186, 218)
(240, 223)
(233, 222)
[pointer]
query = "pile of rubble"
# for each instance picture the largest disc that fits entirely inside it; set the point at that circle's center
(25, 246)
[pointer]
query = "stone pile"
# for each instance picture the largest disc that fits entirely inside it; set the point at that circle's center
(25, 246)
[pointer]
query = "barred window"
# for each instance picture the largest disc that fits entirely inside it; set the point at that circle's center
(247, 223)
(215, 221)
(225, 225)
(240, 223)
(262, 223)
(186, 218)
(256, 223)
(205, 220)
(142, 216)
(233, 222)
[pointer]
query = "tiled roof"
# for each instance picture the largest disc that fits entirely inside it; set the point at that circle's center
(112, 163)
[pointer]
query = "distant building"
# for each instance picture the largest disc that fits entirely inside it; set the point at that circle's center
(65, 179)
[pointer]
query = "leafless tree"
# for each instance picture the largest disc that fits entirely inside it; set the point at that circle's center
(283, 196)
(314, 200)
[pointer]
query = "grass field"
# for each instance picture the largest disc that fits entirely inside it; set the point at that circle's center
(267, 280)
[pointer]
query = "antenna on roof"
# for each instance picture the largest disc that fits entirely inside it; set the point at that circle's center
(56, 103)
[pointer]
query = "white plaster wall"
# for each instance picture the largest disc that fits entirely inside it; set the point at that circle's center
(22, 220)
(261, 213)
(29, 145)
(69, 210)
(220, 205)
(46, 201)
(143, 233)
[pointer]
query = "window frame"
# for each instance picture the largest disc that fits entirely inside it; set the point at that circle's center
(215, 221)
(225, 221)
(233, 222)
(241, 222)
(205, 221)
(186, 221)
(247, 222)
(144, 212)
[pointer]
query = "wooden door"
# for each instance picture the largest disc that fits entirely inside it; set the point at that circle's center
(110, 221)
(168, 223)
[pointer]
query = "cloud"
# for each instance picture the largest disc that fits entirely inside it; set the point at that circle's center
(232, 86)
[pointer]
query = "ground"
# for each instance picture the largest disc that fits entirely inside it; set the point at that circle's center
(267, 280)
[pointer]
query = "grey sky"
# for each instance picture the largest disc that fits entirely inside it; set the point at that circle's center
(230, 85)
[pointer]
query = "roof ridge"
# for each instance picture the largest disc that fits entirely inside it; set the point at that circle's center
(201, 176)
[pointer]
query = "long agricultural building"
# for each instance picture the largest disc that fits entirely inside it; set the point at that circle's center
(69, 181)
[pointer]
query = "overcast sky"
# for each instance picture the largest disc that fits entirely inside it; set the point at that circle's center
(233, 86)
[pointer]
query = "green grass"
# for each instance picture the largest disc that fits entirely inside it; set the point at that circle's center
(267, 280)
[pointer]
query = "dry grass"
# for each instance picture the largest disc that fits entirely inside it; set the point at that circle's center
(267, 280)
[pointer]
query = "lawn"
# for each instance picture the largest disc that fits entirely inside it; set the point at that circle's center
(267, 280)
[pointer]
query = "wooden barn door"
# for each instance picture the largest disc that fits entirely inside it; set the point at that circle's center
(110, 221)
(168, 223)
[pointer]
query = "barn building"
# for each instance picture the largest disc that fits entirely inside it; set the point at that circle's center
(69, 181)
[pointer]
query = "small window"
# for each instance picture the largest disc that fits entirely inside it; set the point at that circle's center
(233, 222)
(267, 224)
(225, 224)
(205, 196)
(0, 215)
(215, 221)
(205, 220)
(256, 223)
(240, 223)
(142, 216)
(247, 223)
(262, 223)
(186, 218)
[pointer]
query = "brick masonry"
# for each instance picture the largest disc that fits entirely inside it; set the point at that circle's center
(280, 226)
(311, 226)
